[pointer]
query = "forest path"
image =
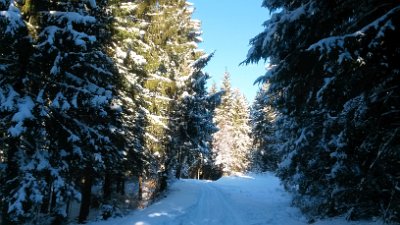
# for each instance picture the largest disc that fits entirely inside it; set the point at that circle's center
(234, 200)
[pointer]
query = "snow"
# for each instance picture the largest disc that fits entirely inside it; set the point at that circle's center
(25, 107)
(331, 42)
(282, 17)
(234, 200)
(327, 81)
(73, 17)
(80, 38)
(7, 99)
(92, 3)
(13, 16)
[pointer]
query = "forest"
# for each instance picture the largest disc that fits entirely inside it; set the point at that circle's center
(98, 97)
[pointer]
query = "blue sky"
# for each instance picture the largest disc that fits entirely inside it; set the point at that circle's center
(227, 26)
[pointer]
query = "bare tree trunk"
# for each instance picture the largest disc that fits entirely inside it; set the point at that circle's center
(86, 191)
(53, 201)
(45, 207)
(140, 191)
(120, 184)
(107, 187)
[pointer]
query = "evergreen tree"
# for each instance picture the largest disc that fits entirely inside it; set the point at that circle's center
(90, 92)
(222, 117)
(213, 88)
(65, 128)
(170, 37)
(193, 125)
(266, 155)
(334, 85)
(231, 143)
(14, 107)
(127, 49)
(241, 140)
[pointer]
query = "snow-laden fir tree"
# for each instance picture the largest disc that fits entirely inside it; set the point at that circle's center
(335, 85)
(66, 127)
(265, 154)
(232, 142)
(14, 53)
(221, 147)
(192, 125)
(170, 37)
(71, 117)
(241, 140)
(127, 50)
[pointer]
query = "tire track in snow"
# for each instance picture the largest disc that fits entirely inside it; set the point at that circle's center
(211, 208)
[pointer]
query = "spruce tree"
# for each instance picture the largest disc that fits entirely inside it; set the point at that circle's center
(266, 154)
(15, 102)
(65, 127)
(334, 85)
(222, 117)
(241, 140)
(231, 143)
(170, 37)
(127, 50)
(193, 125)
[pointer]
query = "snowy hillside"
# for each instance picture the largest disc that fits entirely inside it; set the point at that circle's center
(235, 200)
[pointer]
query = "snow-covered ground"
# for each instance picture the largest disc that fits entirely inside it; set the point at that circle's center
(235, 200)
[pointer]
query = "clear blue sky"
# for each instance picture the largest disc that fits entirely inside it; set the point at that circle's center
(227, 26)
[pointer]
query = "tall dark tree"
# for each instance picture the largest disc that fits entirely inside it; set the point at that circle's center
(15, 48)
(65, 125)
(335, 85)
(127, 50)
(192, 127)
(265, 154)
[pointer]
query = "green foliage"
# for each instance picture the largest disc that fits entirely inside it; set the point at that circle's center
(231, 143)
(333, 80)
(191, 127)
(88, 90)
(266, 155)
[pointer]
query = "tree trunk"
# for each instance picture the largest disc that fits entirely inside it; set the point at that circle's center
(140, 191)
(53, 201)
(178, 171)
(45, 207)
(121, 185)
(179, 166)
(107, 187)
(86, 191)
(163, 181)
(198, 173)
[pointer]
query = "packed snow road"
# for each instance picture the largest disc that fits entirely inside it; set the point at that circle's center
(236, 200)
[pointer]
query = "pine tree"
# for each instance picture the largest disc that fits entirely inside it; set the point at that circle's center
(241, 148)
(231, 144)
(222, 117)
(266, 155)
(65, 126)
(127, 49)
(193, 125)
(87, 91)
(14, 53)
(334, 87)
(170, 36)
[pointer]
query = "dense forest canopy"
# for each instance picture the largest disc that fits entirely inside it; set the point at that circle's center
(95, 94)
(332, 91)
(99, 96)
